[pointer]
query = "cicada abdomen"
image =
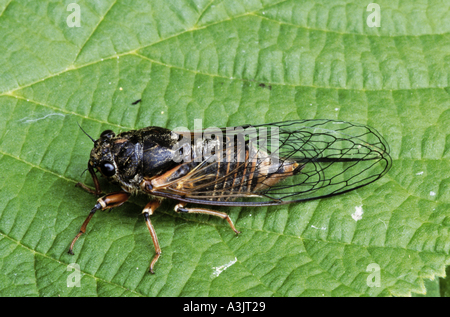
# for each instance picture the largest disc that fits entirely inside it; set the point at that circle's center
(233, 169)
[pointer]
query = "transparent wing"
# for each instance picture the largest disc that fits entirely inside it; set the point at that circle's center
(281, 163)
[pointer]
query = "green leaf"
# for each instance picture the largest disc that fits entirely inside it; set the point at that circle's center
(228, 62)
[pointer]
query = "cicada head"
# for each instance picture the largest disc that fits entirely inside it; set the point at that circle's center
(128, 157)
(102, 157)
(118, 158)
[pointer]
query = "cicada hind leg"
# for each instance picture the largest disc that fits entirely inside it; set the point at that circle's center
(180, 207)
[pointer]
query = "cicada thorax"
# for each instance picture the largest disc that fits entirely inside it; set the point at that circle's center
(224, 175)
(158, 151)
(142, 153)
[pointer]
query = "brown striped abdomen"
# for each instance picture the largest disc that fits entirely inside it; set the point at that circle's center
(226, 178)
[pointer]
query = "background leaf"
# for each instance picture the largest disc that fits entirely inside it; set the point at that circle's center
(228, 63)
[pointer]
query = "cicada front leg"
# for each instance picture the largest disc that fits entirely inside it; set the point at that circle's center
(106, 202)
(89, 190)
(97, 190)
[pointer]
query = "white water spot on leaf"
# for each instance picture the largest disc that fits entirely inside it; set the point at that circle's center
(29, 120)
(420, 173)
(432, 193)
(322, 228)
(217, 270)
(357, 215)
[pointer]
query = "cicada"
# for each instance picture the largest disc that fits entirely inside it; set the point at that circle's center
(253, 165)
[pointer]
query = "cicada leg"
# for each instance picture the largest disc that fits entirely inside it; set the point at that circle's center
(147, 212)
(180, 207)
(91, 191)
(106, 202)
(97, 190)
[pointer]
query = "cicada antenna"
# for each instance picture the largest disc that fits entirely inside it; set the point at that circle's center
(86, 133)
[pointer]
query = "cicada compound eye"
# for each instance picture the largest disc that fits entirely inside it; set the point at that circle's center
(107, 134)
(107, 169)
